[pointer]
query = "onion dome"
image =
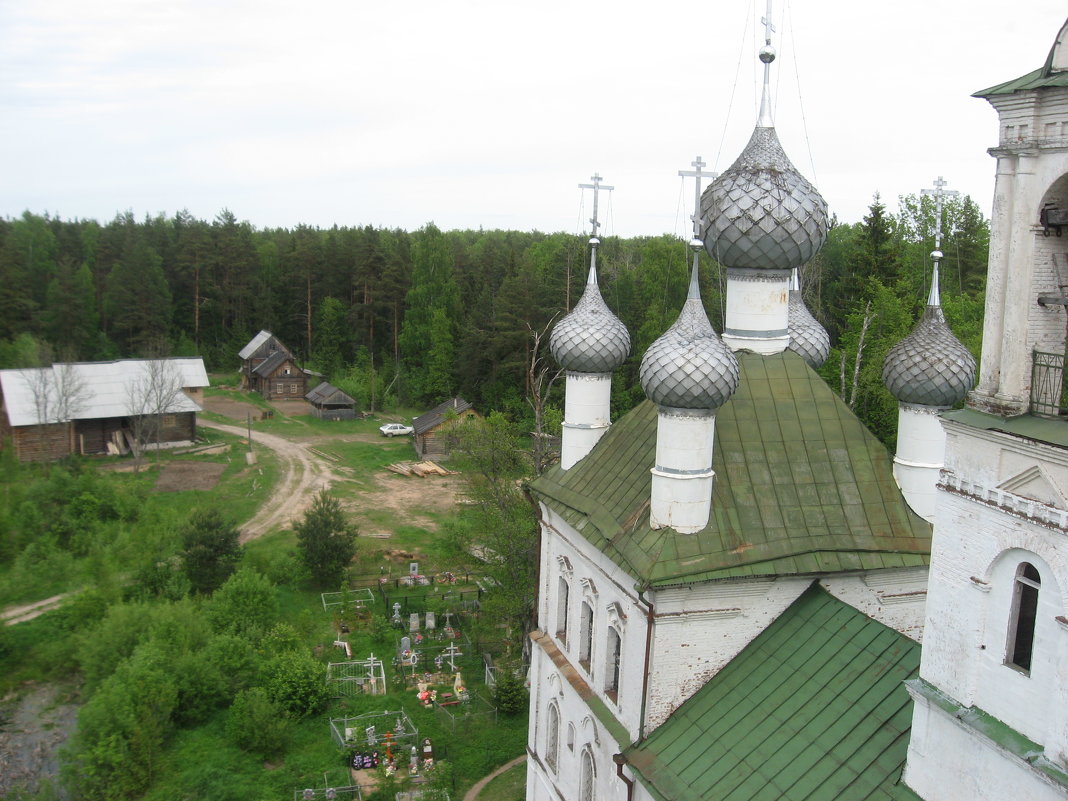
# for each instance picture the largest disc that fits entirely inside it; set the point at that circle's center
(590, 339)
(689, 367)
(761, 212)
(930, 366)
(808, 339)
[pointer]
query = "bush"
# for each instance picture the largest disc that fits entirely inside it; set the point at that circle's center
(258, 724)
(246, 605)
(297, 683)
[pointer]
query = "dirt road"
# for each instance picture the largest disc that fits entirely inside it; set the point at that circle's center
(303, 474)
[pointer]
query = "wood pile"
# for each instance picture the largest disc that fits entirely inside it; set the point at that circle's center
(421, 469)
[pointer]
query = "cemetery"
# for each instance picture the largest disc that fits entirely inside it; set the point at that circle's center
(408, 684)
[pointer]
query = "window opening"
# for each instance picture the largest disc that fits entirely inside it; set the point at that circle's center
(586, 777)
(586, 636)
(1023, 616)
(552, 747)
(561, 610)
(611, 684)
(571, 737)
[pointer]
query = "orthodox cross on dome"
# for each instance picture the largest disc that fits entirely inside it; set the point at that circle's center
(939, 192)
(596, 186)
(767, 55)
(697, 173)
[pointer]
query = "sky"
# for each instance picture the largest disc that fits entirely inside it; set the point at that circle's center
(478, 114)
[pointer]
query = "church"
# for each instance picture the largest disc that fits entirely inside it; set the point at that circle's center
(735, 577)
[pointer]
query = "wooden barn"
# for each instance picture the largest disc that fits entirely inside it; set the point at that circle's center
(99, 407)
(429, 427)
(330, 403)
(269, 368)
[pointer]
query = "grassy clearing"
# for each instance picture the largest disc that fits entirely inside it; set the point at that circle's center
(509, 786)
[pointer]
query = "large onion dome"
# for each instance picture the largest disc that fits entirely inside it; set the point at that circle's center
(930, 366)
(689, 367)
(761, 212)
(590, 339)
(808, 339)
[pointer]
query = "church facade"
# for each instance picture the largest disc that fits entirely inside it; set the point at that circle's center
(733, 583)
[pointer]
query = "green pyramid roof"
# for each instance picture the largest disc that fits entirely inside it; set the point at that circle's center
(814, 708)
(801, 487)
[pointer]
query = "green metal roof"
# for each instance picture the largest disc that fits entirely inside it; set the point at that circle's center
(814, 708)
(802, 487)
(1044, 76)
(1039, 429)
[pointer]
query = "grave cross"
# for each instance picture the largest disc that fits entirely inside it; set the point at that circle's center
(597, 187)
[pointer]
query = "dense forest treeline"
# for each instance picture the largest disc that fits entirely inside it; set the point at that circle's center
(414, 317)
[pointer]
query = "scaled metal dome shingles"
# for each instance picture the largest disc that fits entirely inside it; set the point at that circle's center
(590, 339)
(689, 367)
(930, 366)
(808, 339)
(761, 212)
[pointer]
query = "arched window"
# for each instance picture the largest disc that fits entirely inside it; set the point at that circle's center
(552, 738)
(587, 776)
(571, 737)
(611, 668)
(586, 636)
(1022, 617)
(562, 597)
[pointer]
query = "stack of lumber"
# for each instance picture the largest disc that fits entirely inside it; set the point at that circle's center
(421, 469)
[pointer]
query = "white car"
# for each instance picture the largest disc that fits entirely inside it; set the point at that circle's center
(396, 429)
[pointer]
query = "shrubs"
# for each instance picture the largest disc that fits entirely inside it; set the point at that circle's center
(258, 724)
(211, 550)
(297, 683)
(245, 605)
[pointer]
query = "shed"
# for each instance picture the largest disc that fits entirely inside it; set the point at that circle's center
(52, 412)
(330, 403)
(429, 427)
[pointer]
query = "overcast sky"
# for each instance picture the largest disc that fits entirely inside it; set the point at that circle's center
(489, 114)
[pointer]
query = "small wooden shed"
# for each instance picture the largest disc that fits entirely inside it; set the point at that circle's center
(330, 403)
(429, 427)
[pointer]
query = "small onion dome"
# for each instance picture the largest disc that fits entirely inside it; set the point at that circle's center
(808, 339)
(761, 212)
(930, 366)
(590, 339)
(689, 367)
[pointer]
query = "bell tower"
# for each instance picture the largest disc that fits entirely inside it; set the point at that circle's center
(991, 701)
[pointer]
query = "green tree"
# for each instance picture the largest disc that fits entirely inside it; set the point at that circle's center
(330, 338)
(510, 692)
(138, 299)
(326, 540)
(212, 549)
(499, 523)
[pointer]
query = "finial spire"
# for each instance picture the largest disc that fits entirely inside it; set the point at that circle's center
(939, 192)
(767, 55)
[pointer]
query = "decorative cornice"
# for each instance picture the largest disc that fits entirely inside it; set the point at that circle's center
(1034, 511)
(758, 275)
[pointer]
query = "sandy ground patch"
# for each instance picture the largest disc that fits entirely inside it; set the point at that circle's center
(411, 499)
(179, 476)
(234, 409)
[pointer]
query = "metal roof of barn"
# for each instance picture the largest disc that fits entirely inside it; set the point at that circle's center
(437, 415)
(254, 344)
(814, 708)
(107, 389)
(802, 487)
(327, 393)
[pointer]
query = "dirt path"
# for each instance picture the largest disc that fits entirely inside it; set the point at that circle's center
(19, 614)
(303, 474)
